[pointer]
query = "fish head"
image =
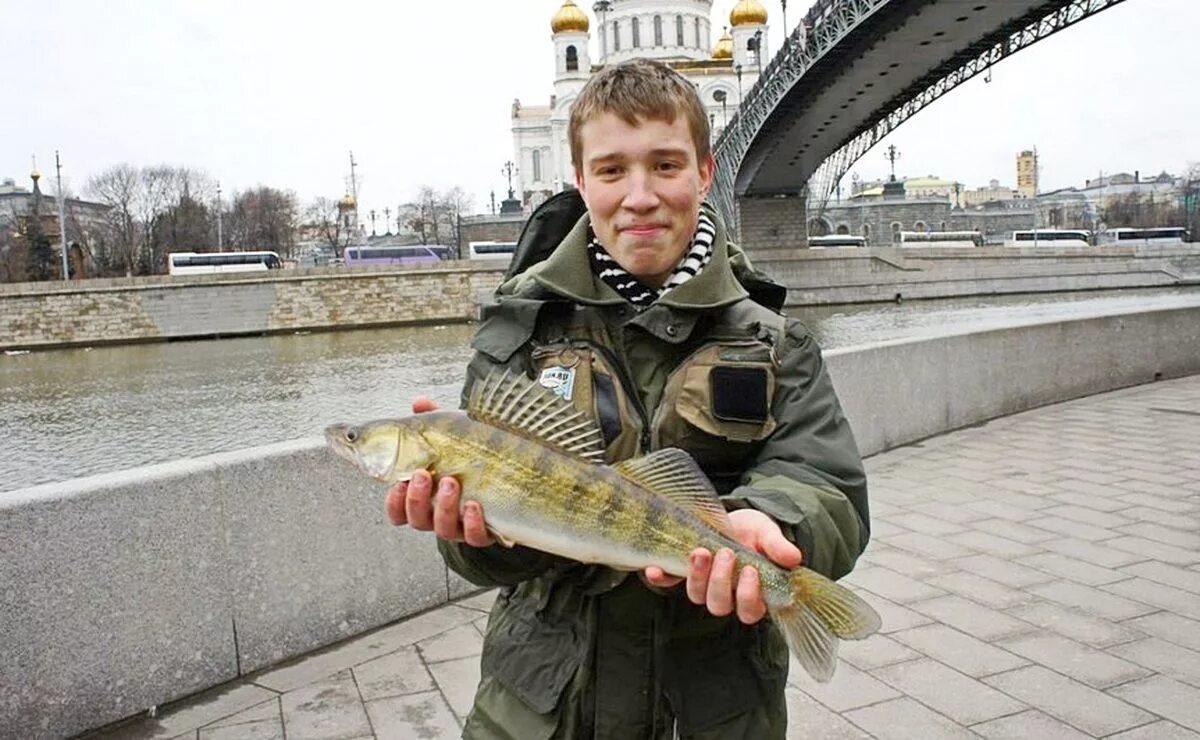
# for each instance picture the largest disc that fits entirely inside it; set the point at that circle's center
(387, 450)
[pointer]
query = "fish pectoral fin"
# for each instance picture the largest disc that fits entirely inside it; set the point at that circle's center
(674, 475)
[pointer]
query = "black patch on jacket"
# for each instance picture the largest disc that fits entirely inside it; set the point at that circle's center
(739, 394)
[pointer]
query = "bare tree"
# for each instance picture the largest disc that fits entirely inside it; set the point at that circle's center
(324, 219)
(117, 187)
(263, 219)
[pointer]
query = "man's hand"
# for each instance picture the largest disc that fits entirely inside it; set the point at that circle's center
(711, 581)
(414, 503)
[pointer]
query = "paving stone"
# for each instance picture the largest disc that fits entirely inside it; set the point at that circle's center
(1002, 510)
(905, 719)
(1067, 700)
(908, 563)
(1074, 624)
(1163, 503)
(808, 719)
(1157, 731)
(925, 524)
(268, 729)
(1075, 570)
(325, 710)
(1182, 578)
(1169, 627)
(458, 681)
(267, 710)
(1087, 515)
(1166, 697)
(1002, 571)
(481, 601)
(939, 547)
(991, 544)
(1026, 726)
(876, 651)
(186, 715)
(971, 618)
(960, 651)
(1072, 528)
(1172, 599)
(359, 650)
(892, 585)
(395, 674)
(1096, 554)
(1164, 657)
(423, 716)
(1091, 500)
(850, 688)
(1022, 533)
(1164, 535)
(946, 512)
(945, 690)
(1088, 665)
(1091, 600)
(980, 589)
(893, 616)
(461, 642)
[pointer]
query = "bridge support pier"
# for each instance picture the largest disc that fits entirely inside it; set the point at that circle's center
(768, 224)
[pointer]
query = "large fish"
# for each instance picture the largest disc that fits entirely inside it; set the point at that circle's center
(534, 464)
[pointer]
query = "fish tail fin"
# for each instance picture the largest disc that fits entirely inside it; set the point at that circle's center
(819, 612)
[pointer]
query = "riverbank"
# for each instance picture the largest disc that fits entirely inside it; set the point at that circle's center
(163, 308)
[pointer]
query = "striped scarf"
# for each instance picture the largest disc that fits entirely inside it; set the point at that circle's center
(635, 291)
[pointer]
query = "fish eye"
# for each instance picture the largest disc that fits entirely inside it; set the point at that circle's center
(351, 435)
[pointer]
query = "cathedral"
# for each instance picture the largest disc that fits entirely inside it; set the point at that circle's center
(676, 32)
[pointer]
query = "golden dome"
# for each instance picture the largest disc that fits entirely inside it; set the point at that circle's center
(347, 202)
(569, 18)
(748, 13)
(724, 47)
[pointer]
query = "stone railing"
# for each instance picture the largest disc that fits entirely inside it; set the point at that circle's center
(124, 591)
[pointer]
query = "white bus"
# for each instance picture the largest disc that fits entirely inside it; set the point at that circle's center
(836, 240)
(1050, 238)
(941, 239)
(485, 250)
(1145, 237)
(202, 263)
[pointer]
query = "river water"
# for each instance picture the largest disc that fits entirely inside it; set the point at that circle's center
(75, 412)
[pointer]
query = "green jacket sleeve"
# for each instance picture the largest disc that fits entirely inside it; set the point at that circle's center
(808, 474)
(496, 565)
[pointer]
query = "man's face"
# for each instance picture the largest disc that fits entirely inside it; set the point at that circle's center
(643, 188)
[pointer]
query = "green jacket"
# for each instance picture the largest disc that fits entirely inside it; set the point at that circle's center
(575, 651)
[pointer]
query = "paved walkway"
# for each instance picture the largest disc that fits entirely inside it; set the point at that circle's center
(1038, 577)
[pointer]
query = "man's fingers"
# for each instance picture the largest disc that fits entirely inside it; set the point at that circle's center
(720, 584)
(395, 504)
(474, 530)
(423, 404)
(781, 551)
(750, 606)
(655, 576)
(417, 501)
(446, 522)
(699, 566)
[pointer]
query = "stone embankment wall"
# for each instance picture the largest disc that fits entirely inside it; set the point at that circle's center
(36, 315)
(128, 590)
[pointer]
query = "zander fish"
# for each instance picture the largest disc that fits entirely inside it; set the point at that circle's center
(534, 464)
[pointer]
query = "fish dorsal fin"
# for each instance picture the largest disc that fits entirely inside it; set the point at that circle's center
(522, 406)
(674, 475)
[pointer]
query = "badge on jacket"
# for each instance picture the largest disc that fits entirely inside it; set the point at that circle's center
(560, 380)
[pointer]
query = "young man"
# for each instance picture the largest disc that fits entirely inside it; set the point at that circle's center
(640, 317)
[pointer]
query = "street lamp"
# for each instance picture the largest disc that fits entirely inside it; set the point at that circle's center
(219, 235)
(721, 98)
(758, 49)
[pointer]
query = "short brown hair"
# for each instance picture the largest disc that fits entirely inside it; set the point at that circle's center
(639, 88)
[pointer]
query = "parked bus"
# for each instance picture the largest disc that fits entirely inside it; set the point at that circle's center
(1145, 237)
(836, 240)
(485, 250)
(941, 239)
(1050, 238)
(416, 254)
(201, 263)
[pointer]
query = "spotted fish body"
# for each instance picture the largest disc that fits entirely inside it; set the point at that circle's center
(532, 462)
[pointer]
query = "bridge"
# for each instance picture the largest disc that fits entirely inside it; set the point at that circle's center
(850, 74)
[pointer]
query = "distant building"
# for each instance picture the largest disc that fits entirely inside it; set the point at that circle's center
(19, 206)
(993, 193)
(1027, 173)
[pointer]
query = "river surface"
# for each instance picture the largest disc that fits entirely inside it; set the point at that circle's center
(75, 412)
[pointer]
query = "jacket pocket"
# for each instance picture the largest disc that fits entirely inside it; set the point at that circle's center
(531, 657)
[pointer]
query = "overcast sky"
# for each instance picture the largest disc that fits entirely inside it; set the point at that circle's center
(277, 93)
